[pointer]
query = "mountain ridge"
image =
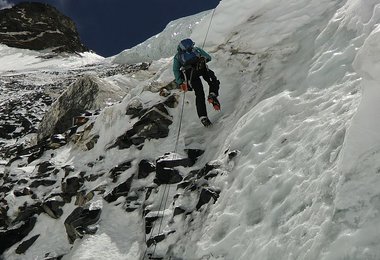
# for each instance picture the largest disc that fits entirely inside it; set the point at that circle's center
(38, 26)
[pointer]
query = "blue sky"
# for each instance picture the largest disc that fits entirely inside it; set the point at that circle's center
(110, 26)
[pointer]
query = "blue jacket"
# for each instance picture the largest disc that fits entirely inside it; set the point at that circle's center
(177, 65)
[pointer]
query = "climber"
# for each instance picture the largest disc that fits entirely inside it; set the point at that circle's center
(188, 65)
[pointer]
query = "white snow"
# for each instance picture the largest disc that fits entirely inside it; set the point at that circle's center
(300, 101)
(19, 60)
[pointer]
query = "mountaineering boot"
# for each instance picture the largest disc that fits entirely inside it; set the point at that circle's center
(214, 101)
(205, 121)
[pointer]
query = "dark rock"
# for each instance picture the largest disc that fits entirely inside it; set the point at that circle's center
(15, 234)
(45, 167)
(233, 154)
(42, 182)
(121, 190)
(119, 169)
(178, 210)
(148, 192)
(36, 155)
(193, 154)
(6, 131)
(78, 222)
(24, 192)
(21, 249)
(6, 188)
(86, 93)
(167, 176)
(211, 175)
(71, 186)
(38, 26)
(134, 108)
(51, 257)
(165, 172)
(205, 196)
(57, 140)
(123, 141)
(155, 239)
(53, 207)
(154, 124)
(206, 169)
(4, 220)
(82, 198)
(27, 212)
(171, 101)
(145, 167)
(68, 169)
(22, 181)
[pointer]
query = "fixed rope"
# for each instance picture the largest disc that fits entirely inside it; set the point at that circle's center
(208, 29)
(167, 187)
(180, 123)
(162, 218)
(154, 224)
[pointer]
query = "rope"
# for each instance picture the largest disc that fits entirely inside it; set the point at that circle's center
(154, 224)
(159, 228)
(175, 151)
(180, 123)
(208, 29)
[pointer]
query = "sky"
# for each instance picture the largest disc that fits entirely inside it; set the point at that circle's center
(111, 26)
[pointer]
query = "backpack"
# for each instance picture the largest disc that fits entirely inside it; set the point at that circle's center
(189, 57)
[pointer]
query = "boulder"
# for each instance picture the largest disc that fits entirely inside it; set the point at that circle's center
(154, 124)
(145, 167)
(165, 168)
(79, 222)
(71, 186)
(120, 190)
(87, 93)
(119, 169)
(53, 207)
(206, 195)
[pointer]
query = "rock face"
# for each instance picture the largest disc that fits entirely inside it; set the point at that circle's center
(87, 93)
(39, 26)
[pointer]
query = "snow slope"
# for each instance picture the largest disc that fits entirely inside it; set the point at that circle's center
(299, 102)
(304, 186)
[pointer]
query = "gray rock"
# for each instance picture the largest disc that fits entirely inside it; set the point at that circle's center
(79, 221)
(87, 93)
(21, 249)
(15, 234)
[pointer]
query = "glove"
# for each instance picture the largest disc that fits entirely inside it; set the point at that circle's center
(184, 87)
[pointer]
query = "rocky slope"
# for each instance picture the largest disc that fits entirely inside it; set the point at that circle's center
(72, 195)
(37, 26)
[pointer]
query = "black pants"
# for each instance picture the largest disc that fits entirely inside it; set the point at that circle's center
(196, 84)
